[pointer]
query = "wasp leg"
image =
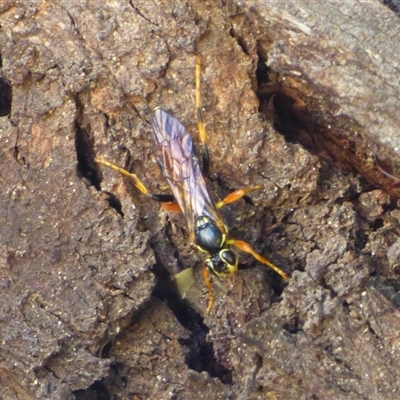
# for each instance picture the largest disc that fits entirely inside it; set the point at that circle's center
(207, 282)
(236, 195)
(248, 249)
(200, 120)
(171, 206)
(167, 201)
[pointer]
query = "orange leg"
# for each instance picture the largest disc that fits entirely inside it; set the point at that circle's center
(173, 207)
(236, 195)
(207, 282)
(248, 249)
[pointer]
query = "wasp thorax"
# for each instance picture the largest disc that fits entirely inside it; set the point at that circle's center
(209, 237)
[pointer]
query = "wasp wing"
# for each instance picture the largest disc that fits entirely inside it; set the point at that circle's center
(180, 166)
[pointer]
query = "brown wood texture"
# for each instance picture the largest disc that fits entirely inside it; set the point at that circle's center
(300, 97)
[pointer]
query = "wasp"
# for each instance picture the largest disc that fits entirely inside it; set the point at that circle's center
(176, 156)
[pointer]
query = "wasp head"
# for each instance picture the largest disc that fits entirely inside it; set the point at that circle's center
(223, 263)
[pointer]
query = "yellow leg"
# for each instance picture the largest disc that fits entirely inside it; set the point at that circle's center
(248, 249)
(200, 120)
(236, 195)
(135, 179)
(206, 277)
(164, 200)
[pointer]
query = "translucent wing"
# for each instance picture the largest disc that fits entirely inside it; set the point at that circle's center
(177, 159)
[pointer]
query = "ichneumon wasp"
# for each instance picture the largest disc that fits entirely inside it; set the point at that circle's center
(176, 156)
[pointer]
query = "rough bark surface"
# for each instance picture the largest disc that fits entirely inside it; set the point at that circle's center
(300, 97)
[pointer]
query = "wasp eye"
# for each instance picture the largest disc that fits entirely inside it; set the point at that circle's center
(230, 260)
(228, 257)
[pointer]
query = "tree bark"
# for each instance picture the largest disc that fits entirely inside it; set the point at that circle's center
(299, 97)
